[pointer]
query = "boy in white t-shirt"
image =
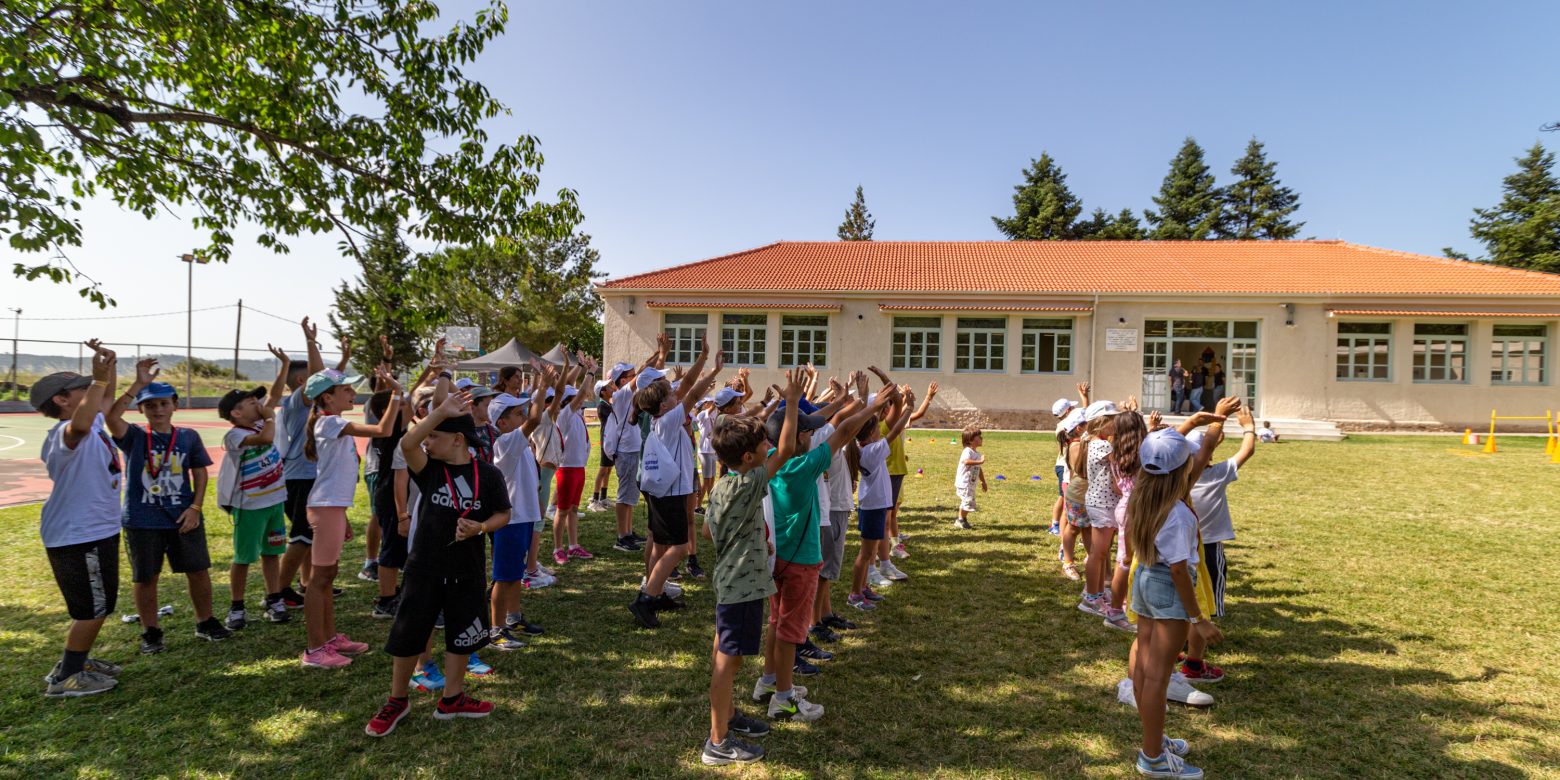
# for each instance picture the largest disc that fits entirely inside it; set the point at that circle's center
(514, 418)
(1266, 434)
(1215, 527)
(969, 472)
(574, 439)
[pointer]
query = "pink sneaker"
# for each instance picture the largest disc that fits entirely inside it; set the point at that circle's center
(560, 556)
(324, 658)
(341, 644)
(580, 552)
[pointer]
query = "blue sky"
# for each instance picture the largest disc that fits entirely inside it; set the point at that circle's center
(694, 129)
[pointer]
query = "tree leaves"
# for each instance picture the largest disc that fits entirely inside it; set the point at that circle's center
(858, 224)
(1523, 230)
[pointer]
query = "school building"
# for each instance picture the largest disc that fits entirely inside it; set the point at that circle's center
(1304, 330)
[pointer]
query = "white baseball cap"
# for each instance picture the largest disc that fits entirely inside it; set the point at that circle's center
(618, 371)
(726, 395)
(1073, 421)
(503, 402)
(1164, 451)
(647, 377)
(1100, 409)
(1195, 438)
(463, 383)
(1062, 407)
(600, 383)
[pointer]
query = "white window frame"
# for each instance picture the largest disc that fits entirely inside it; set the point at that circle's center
(1433, 345)
(1501, 355)
(687, 337)
(806, 343)
(1362, 352)
(1029, 346)
(973, 338)
(928, 337)
(745, 343)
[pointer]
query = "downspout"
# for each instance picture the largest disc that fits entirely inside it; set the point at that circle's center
(1094, 328)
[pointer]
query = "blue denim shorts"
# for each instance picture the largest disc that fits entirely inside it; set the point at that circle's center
(1154, 595)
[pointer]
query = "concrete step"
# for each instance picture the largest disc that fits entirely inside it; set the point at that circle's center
(1290, 429)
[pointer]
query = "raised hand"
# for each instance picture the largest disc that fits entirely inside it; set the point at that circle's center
(455, 404)
(278, 353)
(1226, 406)
(880, 375)
(663, 343)
(794, 384)
(1155, 419)
(1245, 418)
(720, 362)
(677, 374)
(310, 330)
(386, 378)
(931, 390)
(105, 362)
(146, 371)
(384, 348)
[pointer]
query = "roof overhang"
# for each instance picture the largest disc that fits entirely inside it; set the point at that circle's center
(767, 305)
(1453, 313)
(992, 306)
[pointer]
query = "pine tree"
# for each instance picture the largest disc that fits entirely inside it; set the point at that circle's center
(1523, 231)
(1257, 205)
(1188, 201)
(1043, 206)
(382, 300)
(858, 222)
(1123, 226)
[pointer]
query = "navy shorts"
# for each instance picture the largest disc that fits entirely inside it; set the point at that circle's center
(1061, 487)
(870, 523)
(511, 544)
(896, 484)
(739, 627)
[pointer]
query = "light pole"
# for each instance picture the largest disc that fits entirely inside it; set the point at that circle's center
(189, 327)
(16, 331)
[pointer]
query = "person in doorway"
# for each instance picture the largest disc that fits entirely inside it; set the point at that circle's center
(1177, 387)
(1195, 388)
(1216, 374)
(1207, 356)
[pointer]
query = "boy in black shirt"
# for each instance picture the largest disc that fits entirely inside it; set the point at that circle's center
(462, 499)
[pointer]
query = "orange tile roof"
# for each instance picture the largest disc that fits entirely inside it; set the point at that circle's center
(979, 307)
(1063, 267)
(1439, 313)
(775, 305)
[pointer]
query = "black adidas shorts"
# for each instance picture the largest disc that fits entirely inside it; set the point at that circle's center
(88, 577)
(464, 603)
(297, 507)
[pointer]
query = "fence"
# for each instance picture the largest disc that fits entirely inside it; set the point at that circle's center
(218, 369)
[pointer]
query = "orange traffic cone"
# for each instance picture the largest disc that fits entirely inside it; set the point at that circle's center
(1489, 445)
(1467, 435)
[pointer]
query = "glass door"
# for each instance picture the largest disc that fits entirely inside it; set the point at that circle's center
(1243, 372)
(1156, 375)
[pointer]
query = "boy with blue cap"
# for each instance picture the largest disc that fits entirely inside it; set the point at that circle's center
(165, 488)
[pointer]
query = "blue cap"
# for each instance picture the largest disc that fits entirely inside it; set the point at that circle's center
(156, 390)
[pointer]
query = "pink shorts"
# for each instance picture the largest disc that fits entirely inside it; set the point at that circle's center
(330, 534)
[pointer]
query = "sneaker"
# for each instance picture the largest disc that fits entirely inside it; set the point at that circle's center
(438, 622)
(812, 652)
(369, 572)
(667, 603)
(638, 539)
(892, 572)
(643, 610)
(836, 622)
(212, 630)
(1166, 765)
(83, 683)
(859, 602)
(1054, 530)
(1182, 692)
(92, 665)
(237, 619)
(276, 612)
(560, 556)
(1208, 673)
(502, 639)
(746, 726)
(1070, 571)
(876, 579)
(594, 506)
(794, 707)
(383, 610)
(1106, 596)
(698, 510)
(580, 552)
(519, 623)
(669, 588)
(762, 689)
(546, 571)
(539, 580)
(1117, 619)
(1127, 696)
(388, 718)
(292, 598)
(1094, 606)
(463, 707)
(346, 646)
(429, 678)
(732, 751)
(1176, 746)
(324, 658)
(899, 551)
(696, 571)
(870, 595)
(627, 544)
(476, 667)
(676, 575)
(823, 634)
(963, 525)
(152, 642)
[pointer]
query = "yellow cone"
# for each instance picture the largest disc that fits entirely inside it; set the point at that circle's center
(1549, 445)
(1467, 435)
(1489, 445)
(1554, 457)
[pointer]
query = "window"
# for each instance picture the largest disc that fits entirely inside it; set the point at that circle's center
(804, 339)
(1045, 347)
(1365, 351)
(742, 338)
(1517, 355)
(980, 344)
(1440, 352)
(686, 332)
(917, 344)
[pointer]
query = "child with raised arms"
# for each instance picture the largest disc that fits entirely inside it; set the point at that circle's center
(514, 418)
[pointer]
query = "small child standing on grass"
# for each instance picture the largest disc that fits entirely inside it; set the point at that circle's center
(970, 462)
(1215, 526)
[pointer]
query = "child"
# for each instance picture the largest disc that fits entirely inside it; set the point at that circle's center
(1060, 410)
(251, 487)
(735, 524)
(836, 495)
(298, 470)
(622, 439)
(1075, 488)
(462, 498)
(1100, 502)
(334, 452)
(574, 439)
(1216, 528)
(874, 497)
(1267, 435)
(514, 418)
(1164, 536)
(704, 419)
(547, 444)
(166, 469)
(80, 519)
(970, 462)
(386, 510)
(1129, 430)
(598, 492)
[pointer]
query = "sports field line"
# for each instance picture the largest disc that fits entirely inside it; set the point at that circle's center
(16, 441)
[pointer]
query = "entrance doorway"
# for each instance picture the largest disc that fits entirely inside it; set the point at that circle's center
(1220, 346)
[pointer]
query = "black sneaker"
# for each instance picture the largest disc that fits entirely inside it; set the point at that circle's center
(695, 571)
(804, 669)
(812, 652)
(369, 572)
(837, 622)
(384, 609)
(637, 538)
(665, 603)
(528, 628)
(698, 510)
(676, 575)
(152, 642)
(732, 751)
(824, 634)
(627, 544)
(237, 619)
(276, 612)
(292, 598)
(643, 612)
(212, 630)
(747, 727)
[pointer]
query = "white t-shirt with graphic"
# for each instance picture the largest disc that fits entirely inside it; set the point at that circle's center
(874, 490)
(576, 438)
(512, 455)
(336, 463)
(83, 505)
(669, 430)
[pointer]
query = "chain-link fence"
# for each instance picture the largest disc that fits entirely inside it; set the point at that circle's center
(215, 369)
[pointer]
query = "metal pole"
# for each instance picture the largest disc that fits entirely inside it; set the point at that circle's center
(238, 330)
(16, 329)
(189, 334)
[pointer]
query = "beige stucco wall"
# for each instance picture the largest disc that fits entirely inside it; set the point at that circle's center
(1295, 363)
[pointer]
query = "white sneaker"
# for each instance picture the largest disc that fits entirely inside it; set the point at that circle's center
(889, 570)
(876, 579)
(1182, 692)
(1126, 695)
(541, 580)
(795, 708)
(762, 689)
(670, 588)
(545, 570)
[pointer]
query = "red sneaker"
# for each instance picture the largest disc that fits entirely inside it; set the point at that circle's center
(389, 716)
(580, 552)
(463, 707)
(1207, 674)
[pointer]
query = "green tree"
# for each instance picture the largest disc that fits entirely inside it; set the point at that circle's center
(204, 369)
(299, 116)
(540, 291)
(1122, 226)
(1043, 207)
(1257, 205)
(1188, 201)
(858, 222)
(1523, 230)
(384, 300)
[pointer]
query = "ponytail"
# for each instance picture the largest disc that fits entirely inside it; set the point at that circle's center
(1153, 496)
(309, 450)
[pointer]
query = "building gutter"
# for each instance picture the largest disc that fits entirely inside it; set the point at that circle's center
(1094, 329)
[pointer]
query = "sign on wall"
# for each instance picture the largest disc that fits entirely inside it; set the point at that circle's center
(1121, 340)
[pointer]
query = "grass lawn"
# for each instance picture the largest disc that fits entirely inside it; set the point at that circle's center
(1387, 620)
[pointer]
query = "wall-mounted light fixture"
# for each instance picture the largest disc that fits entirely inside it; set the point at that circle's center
(1289, 314)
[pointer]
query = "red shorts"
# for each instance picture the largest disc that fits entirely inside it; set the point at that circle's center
(571, 484)
(791, 608)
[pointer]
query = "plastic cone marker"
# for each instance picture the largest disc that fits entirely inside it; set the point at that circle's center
(1489, 445)
(1467, 436)
(1001, 478)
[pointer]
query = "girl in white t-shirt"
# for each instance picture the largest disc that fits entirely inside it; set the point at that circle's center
(970, 471)
(874, 497)
(1100, 501)
(332, 447)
